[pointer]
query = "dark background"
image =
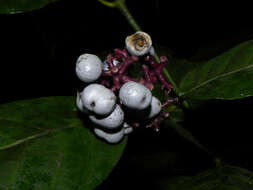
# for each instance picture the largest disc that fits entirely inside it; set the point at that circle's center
(38, 52)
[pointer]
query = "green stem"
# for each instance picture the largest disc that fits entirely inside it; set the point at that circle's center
(124, 10)
(107, 3)
(167, 75)
(121, 5)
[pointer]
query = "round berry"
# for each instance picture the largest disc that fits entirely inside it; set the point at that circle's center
(112, 138)
(88, 67)
(156, 107)
(79, 103)
(98, 99)
(135, 96)
(127, 128)
(114, 120)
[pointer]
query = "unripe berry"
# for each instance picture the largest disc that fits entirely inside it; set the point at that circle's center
(114, 120)
(127, 128)
(135, 96)
(98, 99)
(156, 107)
(79, 103)
(112, 138)
(88, 67)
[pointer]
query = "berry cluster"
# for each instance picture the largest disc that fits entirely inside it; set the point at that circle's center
(115, 117)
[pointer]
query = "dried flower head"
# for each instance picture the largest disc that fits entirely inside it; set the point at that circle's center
(139, 43)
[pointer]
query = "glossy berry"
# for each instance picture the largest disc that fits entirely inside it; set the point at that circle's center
(112, 138)
(98, 99)
(135, 96)
(114, 120)
(88, 68)
(156, 107)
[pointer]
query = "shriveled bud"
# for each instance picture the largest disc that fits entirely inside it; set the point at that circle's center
(138, 44)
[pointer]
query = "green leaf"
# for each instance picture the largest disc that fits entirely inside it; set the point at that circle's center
(176, 113)
(222, 178)
(19, 6)
(228, 76)
(45, 146)
(178, 68)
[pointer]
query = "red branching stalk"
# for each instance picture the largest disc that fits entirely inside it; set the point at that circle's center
(116, 75)
(125, 78)
(157, 70)
(146, 73)
(116, 81)
(155, 123)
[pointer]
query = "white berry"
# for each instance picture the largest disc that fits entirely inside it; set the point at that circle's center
(79, 103)
(112, 138)
(127, 128)
(98, 99)
(152, 51)
(88, 67)
(135, 95)
(114, 120)
(156, 107)
(138, 44)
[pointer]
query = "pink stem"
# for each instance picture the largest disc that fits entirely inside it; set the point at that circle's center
(116, 81)
(163, 59)
(109, 61)
(105, 82)
(151, 62)
(126, 78)
(146, 72)
(125, 65)
(169, 102)
(120, 53)
(158, 72)
(107, 73)
(153, 77)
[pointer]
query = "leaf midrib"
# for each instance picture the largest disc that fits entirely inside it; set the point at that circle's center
(35, 136)
(214, 78)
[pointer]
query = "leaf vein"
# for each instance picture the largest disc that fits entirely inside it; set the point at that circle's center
(214, 78)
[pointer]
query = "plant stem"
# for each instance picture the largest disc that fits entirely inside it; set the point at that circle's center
(107, 3)
(121, 5)
(189, 137)
(184, 133)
